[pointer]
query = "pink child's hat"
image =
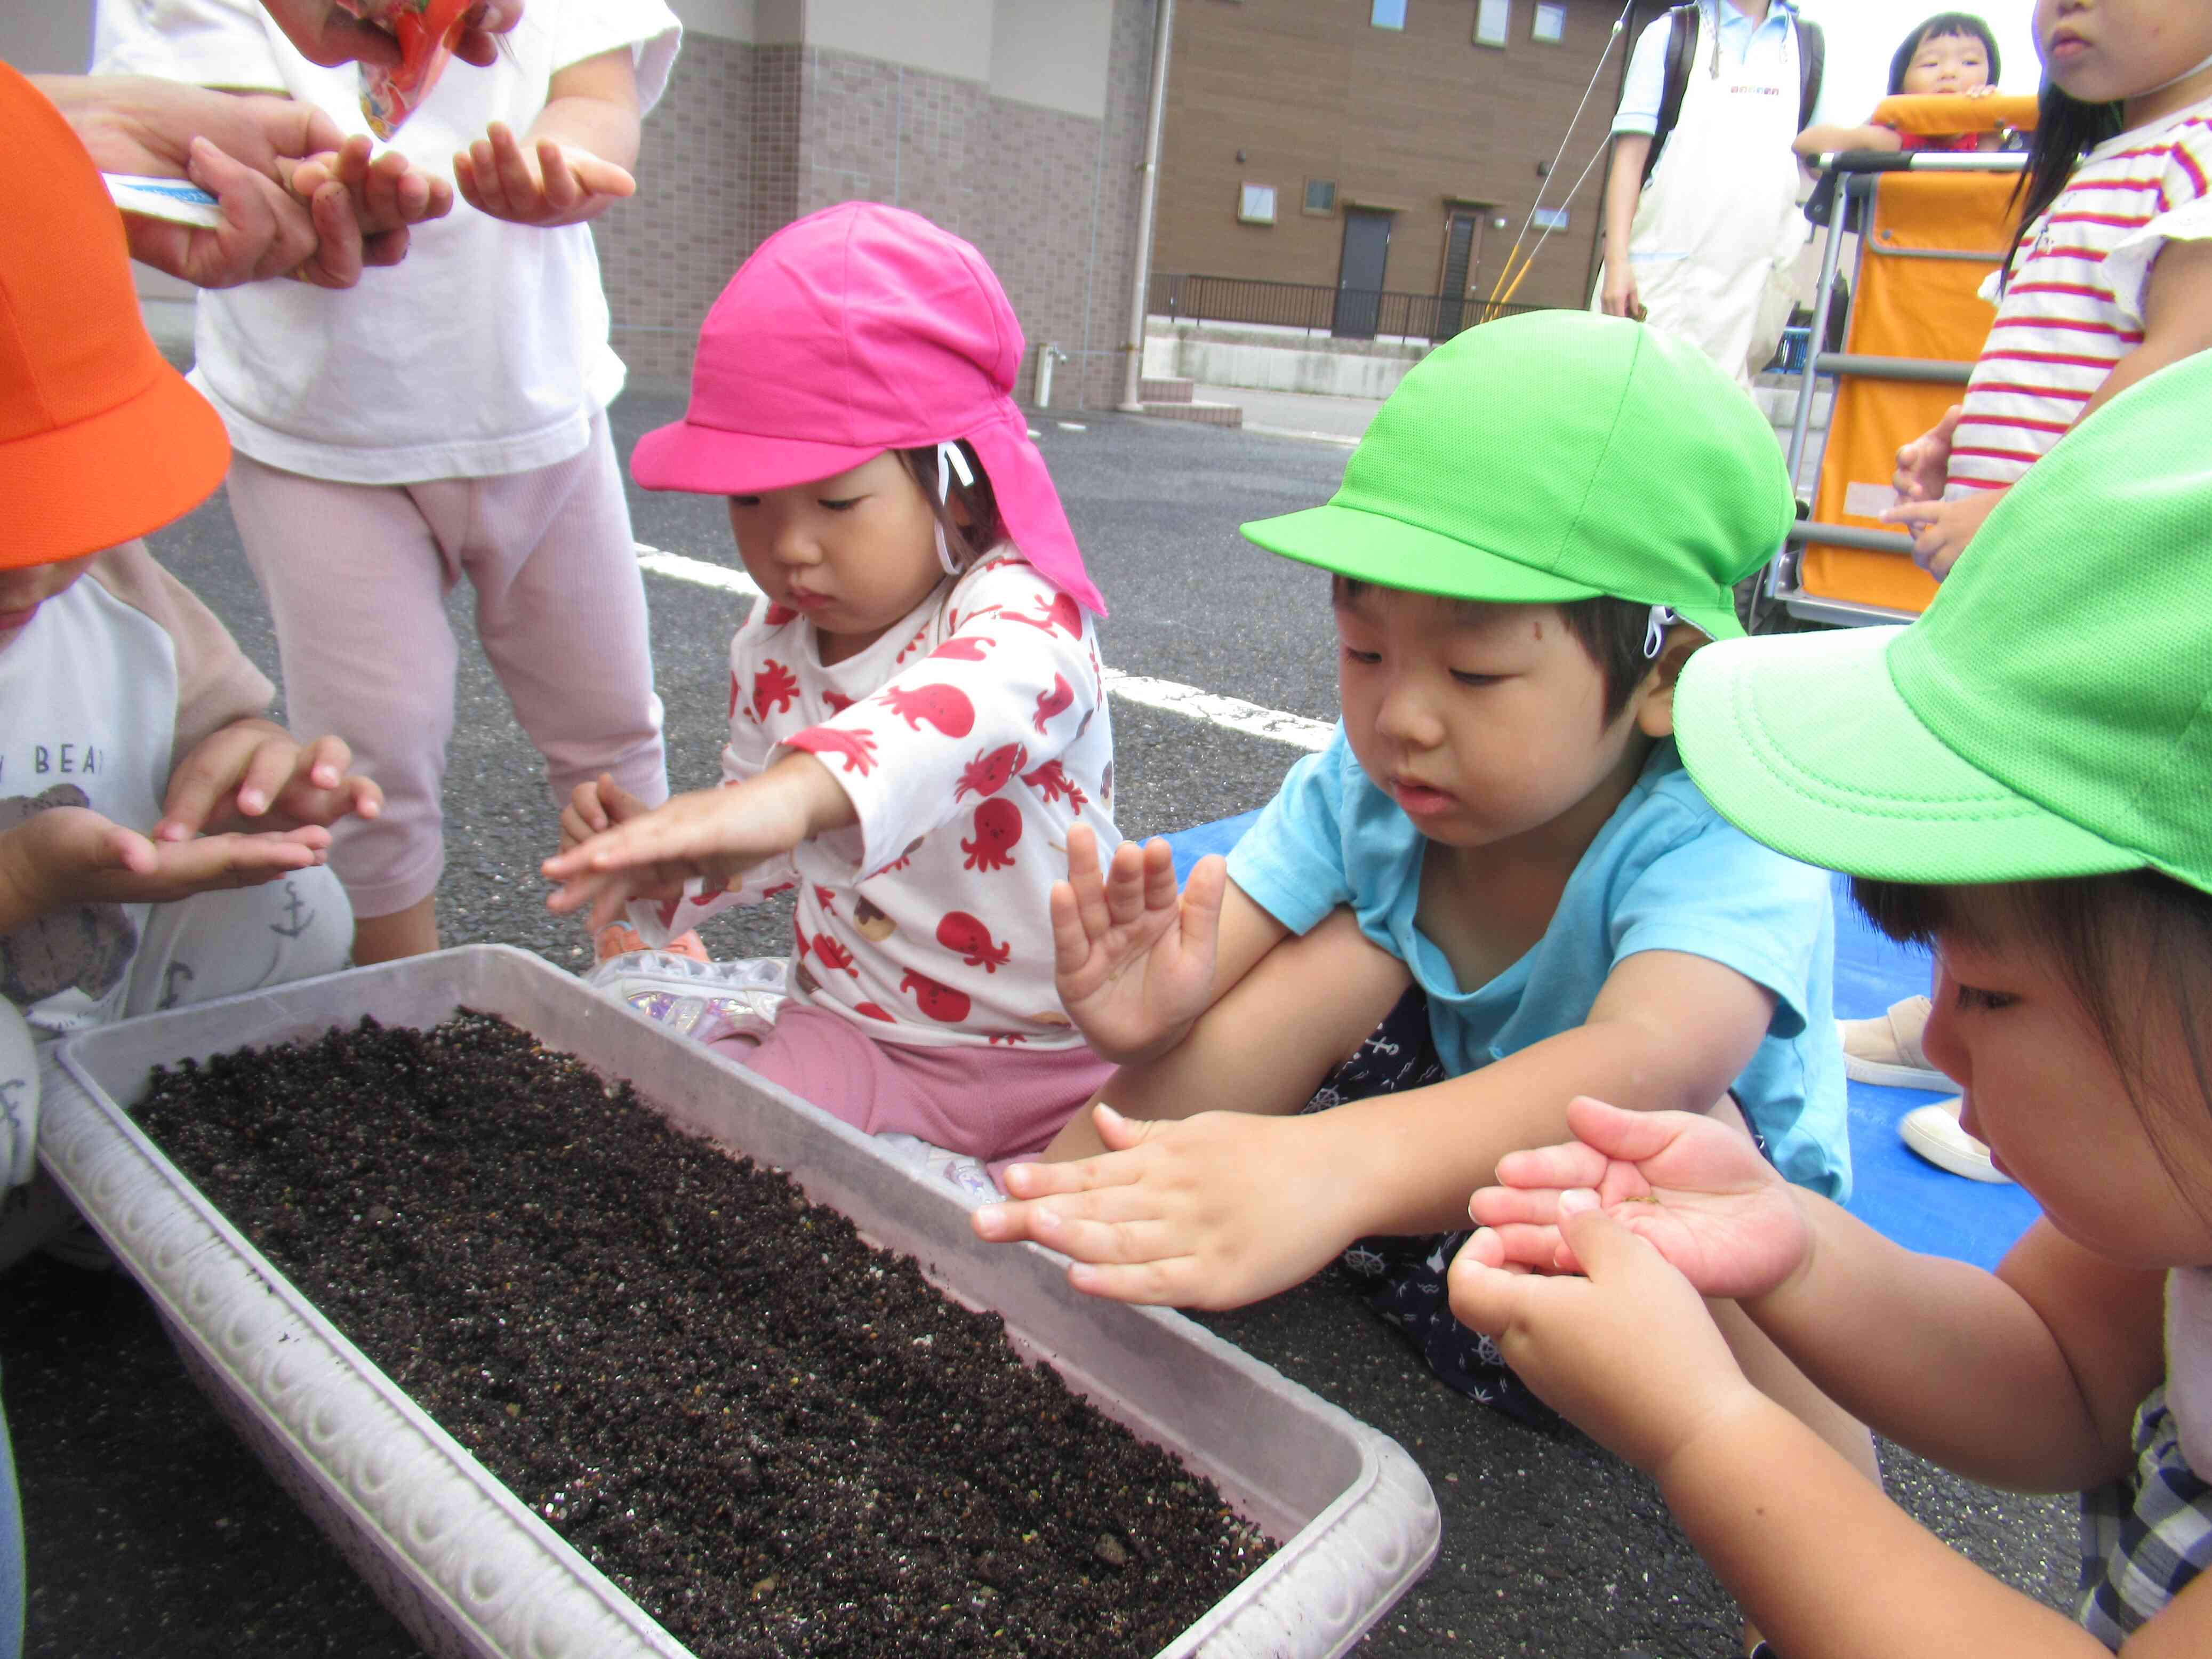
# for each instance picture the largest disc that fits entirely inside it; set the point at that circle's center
(853, 330)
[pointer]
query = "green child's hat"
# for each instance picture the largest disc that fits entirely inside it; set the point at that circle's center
(2050, 715)
(1555, 457)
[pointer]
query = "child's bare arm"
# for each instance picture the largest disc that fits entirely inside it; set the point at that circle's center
(2027, 1378)
(1829, 141)
(2177, 320)
(574, 160)
(1787, 1525)
(1224, 1208)
(715, 834)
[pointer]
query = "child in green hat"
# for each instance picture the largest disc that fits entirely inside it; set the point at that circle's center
(1497, 885)
(2023, 779)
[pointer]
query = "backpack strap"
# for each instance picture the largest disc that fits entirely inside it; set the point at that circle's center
(1681, 43)
(1812, 64)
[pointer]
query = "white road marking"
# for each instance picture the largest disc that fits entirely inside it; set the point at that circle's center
(1230, 713)
(696, 571)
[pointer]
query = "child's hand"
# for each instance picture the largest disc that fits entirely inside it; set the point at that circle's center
(252, 775)
(715, 834)
(1214, 1211)
(1628, 1351)
(595, 808)
(1133, 960)
(387, 194)
(70, 856)
(1695, 1188)
(547, 184)
(1941, 529)
(1923, 466)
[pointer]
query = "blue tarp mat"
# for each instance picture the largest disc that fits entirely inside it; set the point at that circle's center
(1903, 1197)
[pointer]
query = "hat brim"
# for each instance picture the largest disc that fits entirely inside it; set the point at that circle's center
(1372, 547)
(121, 474)
(1805, 743)
(712, 460)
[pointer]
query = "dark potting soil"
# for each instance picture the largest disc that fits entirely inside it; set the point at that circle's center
(775, 1439)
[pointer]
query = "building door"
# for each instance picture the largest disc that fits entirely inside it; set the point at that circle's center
(1462, 256)
(1359, 273)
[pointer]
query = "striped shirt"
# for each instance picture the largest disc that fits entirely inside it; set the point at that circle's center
(2074, 305)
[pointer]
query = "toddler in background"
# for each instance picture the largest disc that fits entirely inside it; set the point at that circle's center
(917, 715)
(446, 421)
(1952, 53)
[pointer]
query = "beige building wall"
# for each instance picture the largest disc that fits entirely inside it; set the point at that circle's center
(1421, 122)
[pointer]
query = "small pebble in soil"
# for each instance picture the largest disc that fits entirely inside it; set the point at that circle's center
(778, 1441)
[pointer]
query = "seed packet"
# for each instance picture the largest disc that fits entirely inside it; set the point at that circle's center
(426, 30)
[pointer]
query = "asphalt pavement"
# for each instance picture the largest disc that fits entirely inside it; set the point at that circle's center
(152, 1531)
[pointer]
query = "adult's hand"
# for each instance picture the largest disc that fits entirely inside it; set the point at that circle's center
(242, 150)
(327, 33)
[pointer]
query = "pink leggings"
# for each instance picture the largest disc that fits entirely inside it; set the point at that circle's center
(357, 577)
(997, 1104)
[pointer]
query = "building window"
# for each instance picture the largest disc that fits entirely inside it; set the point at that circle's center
(1256, 205)
(1387, 14)
(1551, 24)
(1494, 22)
(1321, 196)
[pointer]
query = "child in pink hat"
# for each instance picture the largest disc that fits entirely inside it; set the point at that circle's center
(917, 716)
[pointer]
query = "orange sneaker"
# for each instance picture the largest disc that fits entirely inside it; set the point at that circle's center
(619, 938)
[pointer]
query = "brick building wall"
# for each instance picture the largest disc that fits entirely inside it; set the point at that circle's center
(750, 137)
(1418, 121)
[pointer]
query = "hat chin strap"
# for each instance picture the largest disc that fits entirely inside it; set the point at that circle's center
(1663, 618)
(950, 459)
(2202, 63)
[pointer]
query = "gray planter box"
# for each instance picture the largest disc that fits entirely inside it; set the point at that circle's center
(471, 1570)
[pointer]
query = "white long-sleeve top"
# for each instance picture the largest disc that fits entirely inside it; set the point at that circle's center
(969, 738)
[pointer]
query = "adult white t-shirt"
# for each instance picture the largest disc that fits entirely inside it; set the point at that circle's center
(486, 350)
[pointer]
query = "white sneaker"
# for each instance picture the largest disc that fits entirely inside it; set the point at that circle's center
(1936, 1134)
(700, 999)
(1887, 1049)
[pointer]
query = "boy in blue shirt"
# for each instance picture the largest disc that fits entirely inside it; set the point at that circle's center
(1497, 889)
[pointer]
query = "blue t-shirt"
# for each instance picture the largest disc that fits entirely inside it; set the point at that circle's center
(1666, 873)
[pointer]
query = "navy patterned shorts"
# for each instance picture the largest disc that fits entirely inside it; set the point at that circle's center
(1403, 1279)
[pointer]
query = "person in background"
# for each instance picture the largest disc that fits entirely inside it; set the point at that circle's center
(1695, 248)
(448, 422)
(1952, 53)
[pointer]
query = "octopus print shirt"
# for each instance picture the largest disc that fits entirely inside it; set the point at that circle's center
(969, 738)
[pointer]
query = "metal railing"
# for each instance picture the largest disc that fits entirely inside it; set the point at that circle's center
(1314, 307)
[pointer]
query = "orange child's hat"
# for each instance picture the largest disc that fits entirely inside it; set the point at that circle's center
(100, 440)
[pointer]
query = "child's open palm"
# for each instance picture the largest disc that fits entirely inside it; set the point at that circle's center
(1695, 1188)
(546, 183)
(1134, 959)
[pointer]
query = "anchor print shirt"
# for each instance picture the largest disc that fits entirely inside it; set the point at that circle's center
(969, 738)
(117, 678)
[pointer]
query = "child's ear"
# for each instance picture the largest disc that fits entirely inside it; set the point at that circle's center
(1655, 709)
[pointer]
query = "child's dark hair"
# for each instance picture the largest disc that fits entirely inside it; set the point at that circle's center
(1942, 26)
(984, 529)
(2065, 128)
(2132, 947)
(1610, 631)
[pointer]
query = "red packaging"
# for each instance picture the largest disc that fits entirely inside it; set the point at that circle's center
(426, 30)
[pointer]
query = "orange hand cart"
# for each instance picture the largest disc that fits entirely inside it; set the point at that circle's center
(1931, 228)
